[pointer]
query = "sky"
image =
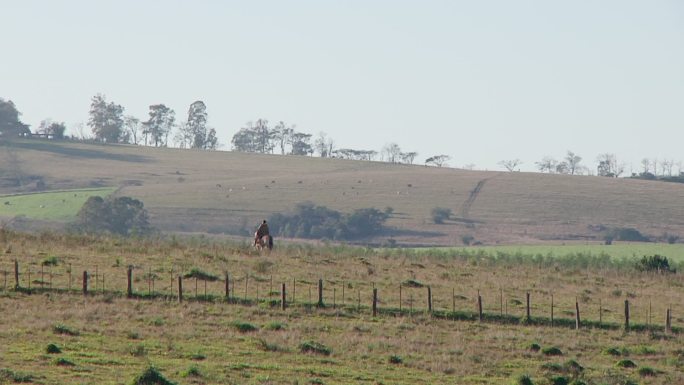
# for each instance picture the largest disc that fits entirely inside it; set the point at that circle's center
(481, 81)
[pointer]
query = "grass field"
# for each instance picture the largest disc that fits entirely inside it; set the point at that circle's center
(53, 206)
(618, 250)
(107, 339)
(228, 192)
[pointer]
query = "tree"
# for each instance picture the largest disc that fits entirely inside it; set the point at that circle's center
(608, 166)
(211, 143)
(106, 119)
(547, 164)
(300, 144)
(283, 135)
(573, 162)
(183, 137)
(197, 124)
(132, 128)
(324, 145)
(122, 215)
(391, 153)
(52, 129)
(10, 125)
(510, 165)
(408, 157)
(440, 214)
(160, 123)
(437, 160)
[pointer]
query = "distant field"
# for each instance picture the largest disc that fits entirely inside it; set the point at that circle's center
(674, 252)
(222, 192)
(53, 206)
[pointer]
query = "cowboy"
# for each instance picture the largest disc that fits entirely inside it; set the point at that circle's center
(261, 231)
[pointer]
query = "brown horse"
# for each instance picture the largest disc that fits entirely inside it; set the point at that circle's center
(266, 242)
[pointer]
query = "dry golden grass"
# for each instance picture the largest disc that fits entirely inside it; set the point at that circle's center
(120, 337)
(200, 191)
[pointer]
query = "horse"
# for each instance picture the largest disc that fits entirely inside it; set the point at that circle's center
(266, 242)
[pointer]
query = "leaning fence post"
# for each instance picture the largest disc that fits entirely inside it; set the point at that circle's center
(85, 282)
(429, 299)
(282, 297)
(129, 275)
(180, 288)
(577, 315)
(320, 293)
(375, 302)
(626, 315)
(16, 274)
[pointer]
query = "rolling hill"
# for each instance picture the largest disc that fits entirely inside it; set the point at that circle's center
(229, 193)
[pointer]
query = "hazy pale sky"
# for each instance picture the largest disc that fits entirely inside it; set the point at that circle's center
(481, 81)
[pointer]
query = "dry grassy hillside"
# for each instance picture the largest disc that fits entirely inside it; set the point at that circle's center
(200, 191)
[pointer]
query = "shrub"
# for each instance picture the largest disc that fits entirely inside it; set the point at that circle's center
(645, 371)
(274, 325)
(314, 347)
(395, 359)
(559, 380)
(440, 214)
(151, 376)
(655, 263)
(50, 261)
(121, 215)
(535, 347)
(552, 367)
(53, 349)
(193, 371)
(612, 351)
(64, 362)
(523, 379)
(198, 357)
(63, 329)
(18, 377)
(201, 275)
(467, 239)
(244, 327)
(625, 364)
(552, 351)
(138, 350)
(412, 283)
(267, 347)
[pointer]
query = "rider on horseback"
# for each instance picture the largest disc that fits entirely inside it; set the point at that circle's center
(261, 231)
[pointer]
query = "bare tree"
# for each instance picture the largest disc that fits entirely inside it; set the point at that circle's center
(408, 157)
(573, 160)
(609, 166)
(547, 164)
(510, 165)
(133, 128)
(391, 152)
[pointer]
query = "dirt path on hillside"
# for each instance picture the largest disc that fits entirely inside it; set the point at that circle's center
(468, 203)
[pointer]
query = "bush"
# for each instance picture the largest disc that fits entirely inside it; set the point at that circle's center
(559, 380)
(193, 371)
(552, 351)
(201, 275)
(440, 214)
(412, 283)
(244, 327)
(612, 351)
(63, 329)
(18, 377)
(534, 347)
(655, 263)
(310, 221)
(151, 376)
(314, 347)
(64, 362)
(50, 261)
(467, 239)
(274, 325)
(523, 379)
(645, 371)
(121, 215)
(625, 364)
(395, 359)
(53, 349)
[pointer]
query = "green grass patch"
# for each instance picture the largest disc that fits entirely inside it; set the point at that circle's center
(314, 347)
(53, 349)
(51, 206)
(552, 351)
(151, 376)
(64, 362)
(244, 327)
(65, 330)
(628, 364)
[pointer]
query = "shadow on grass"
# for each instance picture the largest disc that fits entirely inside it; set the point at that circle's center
(60, 149)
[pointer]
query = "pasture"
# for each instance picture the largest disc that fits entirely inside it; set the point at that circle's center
(106, 338)
(223, 192)
(51, 206)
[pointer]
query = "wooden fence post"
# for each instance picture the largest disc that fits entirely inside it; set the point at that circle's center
(85, 282)
(283, 297)
(429, 299)
(626, 315)
(668, 320)
(320, 293)
(375, 302)
(527, 295)
(129, 275)
(294, 290)
(180, 288)
(577, 315)
(399, 297)
(479, 306)
(551, 310)
(16, 274)
(227, 287)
